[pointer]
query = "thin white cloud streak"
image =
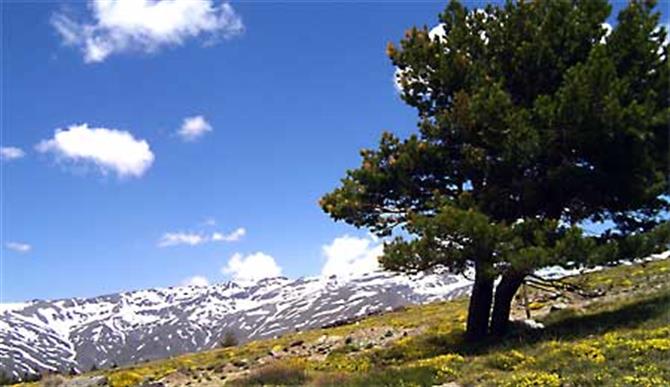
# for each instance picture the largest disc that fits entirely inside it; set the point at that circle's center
(170, 239)
(232, 237)
(181, 238)
(11, 153)
(118, 26)
(18, 247)
(111, 150)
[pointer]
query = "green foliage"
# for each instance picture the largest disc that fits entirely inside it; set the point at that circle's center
(508, 361)
(531, 122)
(535, 379)
(530, 109)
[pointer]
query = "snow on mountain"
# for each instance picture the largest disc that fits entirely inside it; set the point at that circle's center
(130, 327)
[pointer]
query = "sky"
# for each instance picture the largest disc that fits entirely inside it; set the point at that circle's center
(158, 144)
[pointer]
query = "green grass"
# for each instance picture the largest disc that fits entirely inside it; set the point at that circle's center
(620, 339)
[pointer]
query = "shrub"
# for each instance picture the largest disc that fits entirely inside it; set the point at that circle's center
(276, 374)
(228, 340)
(445, 366)
(125, 379)
(508, 361)
(344, 362)
(535, 379)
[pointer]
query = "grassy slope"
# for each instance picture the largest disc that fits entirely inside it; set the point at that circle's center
(622, 338)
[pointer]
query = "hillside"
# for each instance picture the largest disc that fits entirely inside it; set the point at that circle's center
(76, 334)
(620, 337)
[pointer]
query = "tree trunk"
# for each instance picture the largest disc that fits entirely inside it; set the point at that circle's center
(479, 309)
(505, 291)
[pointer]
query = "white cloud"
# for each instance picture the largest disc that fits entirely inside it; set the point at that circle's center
(11, 153)
(232, 237)
(193, 239)
(193, 128)
(252, 267)
(348, 255)
(608, 30)
(116, 26)
(109, 149)
(196, 280)
(437, 32)
(18, 247)
(181, 238)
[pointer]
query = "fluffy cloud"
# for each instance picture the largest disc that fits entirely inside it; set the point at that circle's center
(193, 239)
(196, 280)
(251, 267)
(193, 128)
(116, 26)
(11, 153)
(348, 255)
(109, 149)
(18, 247)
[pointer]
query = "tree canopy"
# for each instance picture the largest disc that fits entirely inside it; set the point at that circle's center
(534, 118)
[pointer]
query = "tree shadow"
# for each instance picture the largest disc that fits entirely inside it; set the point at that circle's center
(568, 325)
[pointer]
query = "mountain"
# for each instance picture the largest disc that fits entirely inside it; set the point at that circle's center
(130, 327)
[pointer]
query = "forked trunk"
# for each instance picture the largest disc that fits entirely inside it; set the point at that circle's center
(505, 291)
(479, 309)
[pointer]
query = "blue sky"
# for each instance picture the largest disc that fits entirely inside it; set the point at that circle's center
(291, 92)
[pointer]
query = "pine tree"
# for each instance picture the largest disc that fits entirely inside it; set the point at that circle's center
(533, 120)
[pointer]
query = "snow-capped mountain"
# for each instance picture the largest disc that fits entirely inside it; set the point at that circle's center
(142, 325)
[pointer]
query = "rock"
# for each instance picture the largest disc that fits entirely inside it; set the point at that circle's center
(348, 340)
(532, 324)
(558, 306)
(388, 334)
(296, 343)
(325, 339)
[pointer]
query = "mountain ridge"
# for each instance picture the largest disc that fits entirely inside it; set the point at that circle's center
(128, 327)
